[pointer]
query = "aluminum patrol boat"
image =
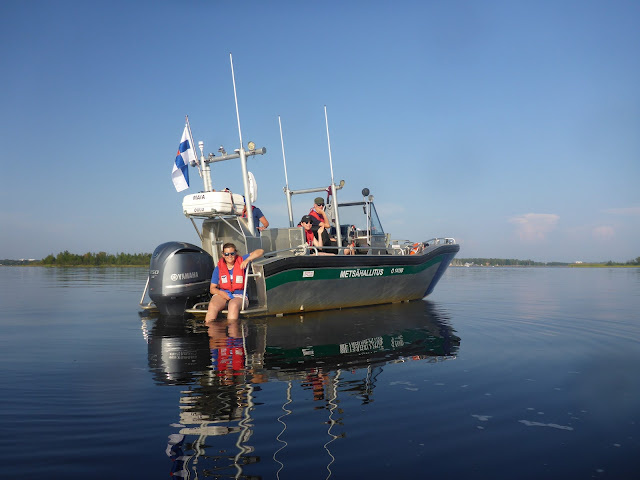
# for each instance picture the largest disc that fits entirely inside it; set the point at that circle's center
(292, 276)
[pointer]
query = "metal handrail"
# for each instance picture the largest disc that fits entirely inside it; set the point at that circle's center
(146, 287)
(149, 305)
(246, 276)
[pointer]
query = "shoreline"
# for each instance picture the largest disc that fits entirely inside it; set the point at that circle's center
(582, 265)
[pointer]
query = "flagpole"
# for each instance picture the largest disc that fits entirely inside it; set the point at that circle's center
(193, 145)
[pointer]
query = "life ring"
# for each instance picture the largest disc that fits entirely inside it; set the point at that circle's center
(415, 248)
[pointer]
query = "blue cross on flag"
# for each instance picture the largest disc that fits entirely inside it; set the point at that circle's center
(180, 172)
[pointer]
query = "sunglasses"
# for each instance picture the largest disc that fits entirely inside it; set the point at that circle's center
(229, 254)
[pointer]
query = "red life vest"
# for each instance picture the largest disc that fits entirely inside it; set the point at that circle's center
(228, 283)
(317, 216)
(309, 236)
(244, 214)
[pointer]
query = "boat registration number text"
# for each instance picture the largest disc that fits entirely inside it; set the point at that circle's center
(358, 272)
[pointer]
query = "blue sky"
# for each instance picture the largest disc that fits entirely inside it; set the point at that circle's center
(512, 126)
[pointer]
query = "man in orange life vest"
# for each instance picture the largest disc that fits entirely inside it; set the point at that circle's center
(227, 282)
(318, 215)
(319, 218)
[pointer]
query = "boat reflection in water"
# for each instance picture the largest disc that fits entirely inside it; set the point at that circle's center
(224, 365)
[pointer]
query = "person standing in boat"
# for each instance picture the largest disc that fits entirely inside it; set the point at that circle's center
(260, 222)
(227, 282)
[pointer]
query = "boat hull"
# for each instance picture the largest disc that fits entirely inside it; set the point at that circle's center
(310, 283)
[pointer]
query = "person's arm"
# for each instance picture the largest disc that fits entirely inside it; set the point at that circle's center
(264, 222)
(325, 218)
(216, 291)
(317, 240)
(252, 256)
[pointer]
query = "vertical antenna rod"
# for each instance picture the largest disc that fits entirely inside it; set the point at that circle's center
(243, 158)
(326, 121)
(287, 192)
(334, 191)
(235, 96)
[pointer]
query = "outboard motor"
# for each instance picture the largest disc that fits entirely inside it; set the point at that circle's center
(179, 276)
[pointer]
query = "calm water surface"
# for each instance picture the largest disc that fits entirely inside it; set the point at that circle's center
(503, 373)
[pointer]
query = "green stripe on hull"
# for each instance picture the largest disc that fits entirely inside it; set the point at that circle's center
(308, 275)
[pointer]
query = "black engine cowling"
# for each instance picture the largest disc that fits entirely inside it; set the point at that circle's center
(179, 276)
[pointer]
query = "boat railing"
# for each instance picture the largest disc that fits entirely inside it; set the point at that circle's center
(441, 241)
(150, 305)
(363, 249)
(305, 249)
(246, 279)
(201, 309)
(293, 251)
(407, 247)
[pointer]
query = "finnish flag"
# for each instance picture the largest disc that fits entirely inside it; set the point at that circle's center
(180, 172)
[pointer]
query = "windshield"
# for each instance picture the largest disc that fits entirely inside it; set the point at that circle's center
(356, 214)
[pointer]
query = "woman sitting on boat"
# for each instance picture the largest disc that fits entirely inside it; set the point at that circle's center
(312, 239)
(227, 282)
(315, 239)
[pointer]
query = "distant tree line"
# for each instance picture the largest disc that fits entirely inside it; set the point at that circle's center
(511, 262)
(22, 261)
(100, 259)
(501, 262)
(635, 261)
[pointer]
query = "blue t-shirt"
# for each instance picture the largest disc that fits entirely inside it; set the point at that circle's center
(257, 215)
(215, 278)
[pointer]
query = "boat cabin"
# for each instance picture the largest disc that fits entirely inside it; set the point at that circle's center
(222, 222)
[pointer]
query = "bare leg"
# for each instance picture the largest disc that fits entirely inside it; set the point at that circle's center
(233, 309)
(216, 305)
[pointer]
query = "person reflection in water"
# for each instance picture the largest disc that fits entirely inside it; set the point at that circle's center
(228, 355)
(227, 349)
(316, 380)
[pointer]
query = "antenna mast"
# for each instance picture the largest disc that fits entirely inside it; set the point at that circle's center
(243, 158)
(287, 192)
(334, 190)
